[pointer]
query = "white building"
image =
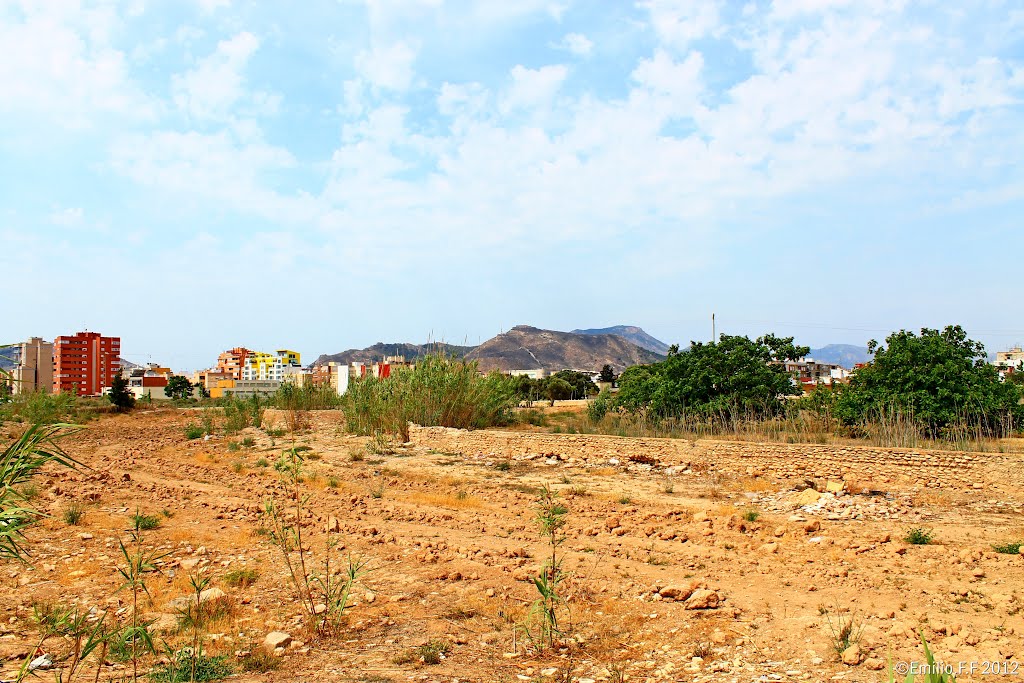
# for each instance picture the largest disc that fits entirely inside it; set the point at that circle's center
(1009, 361)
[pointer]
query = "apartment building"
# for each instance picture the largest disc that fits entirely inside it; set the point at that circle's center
(233, 361)
(85, 363)
(1009, 361)
(34, 371)
(281, 366)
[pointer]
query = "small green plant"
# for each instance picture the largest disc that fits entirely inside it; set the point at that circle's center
(73, 514)
(551, 518)
(262, 462)
(844, 631)
(74, 626)
(276, 433)
(187, 666)
(919, 536)
(378, 490)
(233, 446)
(259, 661)
(29, 492)
(432, 652)
(625, 500)
(135, 637)
(248, 442)
(237, 466)
(579, 491)
(167, 513)
(503, 465)
(333, 482)
(751, 515)
(194, 431)
(141, 522)
(1011, 548)
(380, 444)
(357, 455)
(933, 671)
(241, 578)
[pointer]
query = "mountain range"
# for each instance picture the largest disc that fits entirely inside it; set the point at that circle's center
(846, 355)
(632, 334)
(380, 350)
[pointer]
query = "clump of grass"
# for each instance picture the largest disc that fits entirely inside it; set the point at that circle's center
(73, 514)
(625, 499)
(668, 486)
(248, 442)
(262, 462)
(259, 661)
(141, 522)
(188, 667)
(29, 492)
(193, 431)
(167, 513)
(237, 466)
(503, 465)
(233, 446)
(378, 490)
(751, 515)
(1011, 548)
(579, 491)
(919, 536)
(332, 482)
(241, 578)
(357, 455)
(843, 632)
(276, 433)
(431, 652)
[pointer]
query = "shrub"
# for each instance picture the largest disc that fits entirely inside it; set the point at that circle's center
(262, 462)
(625, 500)
(332, 482)
(193, 431)
(233, 446)
(186, 666)
(237, 466)
(1011, 548)
(73, 514)
(919, 536)
(844, 631)
(141, 522)
(248, 442)
(439, 391)
(259, 661)
(751, 515)
(431, 652)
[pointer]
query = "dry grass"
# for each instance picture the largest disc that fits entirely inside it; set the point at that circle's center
(456, 501)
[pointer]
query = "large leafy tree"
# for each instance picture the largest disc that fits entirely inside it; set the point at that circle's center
(178, 387)
(582, 385)
(120, 395)
(935, 378)
(735, 377)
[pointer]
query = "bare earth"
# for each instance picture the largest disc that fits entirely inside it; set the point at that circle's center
(668, 582)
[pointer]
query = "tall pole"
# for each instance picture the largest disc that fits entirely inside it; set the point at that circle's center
(714, 334)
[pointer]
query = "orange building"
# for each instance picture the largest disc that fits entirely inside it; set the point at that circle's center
(85, 364)
(233, 361)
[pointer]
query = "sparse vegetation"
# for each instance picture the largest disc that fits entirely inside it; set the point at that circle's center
(194, 431)
(751, 515)
(73, 514)
(542, 626)
(844, 630)
(432, 652)
(1009, 548)
(259, 661)
(241, 578)
(919, 536)
(141, 522)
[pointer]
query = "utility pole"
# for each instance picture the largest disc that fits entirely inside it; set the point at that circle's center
(714, 333)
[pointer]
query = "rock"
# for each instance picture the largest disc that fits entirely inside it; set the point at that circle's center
(835, 486)
(812, 526)
(276, 639)
(806, 497)
(369, 596)
(676, 592)
(852, 655)
(163, 623)
(85, 536)
(42, 662)
(702, 598)
(613, 523)
(211, 594)
(333, 525)
(874, 663)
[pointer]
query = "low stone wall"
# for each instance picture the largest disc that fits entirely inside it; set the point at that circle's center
(863, 464)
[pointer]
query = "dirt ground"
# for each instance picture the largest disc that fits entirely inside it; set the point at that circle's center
(695, 576)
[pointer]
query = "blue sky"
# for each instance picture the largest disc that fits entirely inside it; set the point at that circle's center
(200, 174)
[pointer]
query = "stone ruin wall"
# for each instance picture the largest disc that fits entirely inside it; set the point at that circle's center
(865, 465)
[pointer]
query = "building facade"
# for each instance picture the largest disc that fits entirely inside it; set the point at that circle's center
(34, 371)
(85, 363)
(233, 361)
(1009, 361)
(284, 365)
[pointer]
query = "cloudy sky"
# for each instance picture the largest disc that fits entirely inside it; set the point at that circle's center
(194, 175)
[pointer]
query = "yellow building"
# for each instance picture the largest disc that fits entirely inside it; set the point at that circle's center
(275, 367)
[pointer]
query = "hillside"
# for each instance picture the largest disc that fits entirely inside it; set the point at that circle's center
(846, 355)
(7, 356)
(632, 334)
(379, 350)
(524, 347)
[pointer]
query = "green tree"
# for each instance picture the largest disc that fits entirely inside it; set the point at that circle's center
(178, 387)
(734, 377)
(937, 379)
(582, 385)
(607, 374)
(557, 389)
(120, 396)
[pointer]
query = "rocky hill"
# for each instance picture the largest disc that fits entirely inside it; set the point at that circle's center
(632, 334)
(524, 347)
(846, 355)
(379, 350)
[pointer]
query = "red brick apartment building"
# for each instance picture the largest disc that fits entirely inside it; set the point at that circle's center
(85, 363)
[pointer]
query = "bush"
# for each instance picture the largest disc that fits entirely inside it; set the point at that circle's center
(439, 391)
(751, 515)
(193, 431)
(180, 670)
(919, 536)
(73, 514)
(241, 578)
(1011, 548)
(259, 661)
(141, 522)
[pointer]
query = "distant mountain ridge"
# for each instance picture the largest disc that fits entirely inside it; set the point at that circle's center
(846, 355)
(524, 347)
(378, 351)
(632, 334)
(7, 356)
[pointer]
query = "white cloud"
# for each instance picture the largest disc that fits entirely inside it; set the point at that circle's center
(389, 67)
(211, 6)
(217, 83)
(680, 22)
(68, 218)
(576, 43)
(532, 88)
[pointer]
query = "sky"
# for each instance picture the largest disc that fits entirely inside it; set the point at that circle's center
(193, 175)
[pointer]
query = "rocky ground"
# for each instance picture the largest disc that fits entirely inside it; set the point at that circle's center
(672, 576)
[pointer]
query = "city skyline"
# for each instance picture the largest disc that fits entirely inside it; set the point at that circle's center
(208, 174)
